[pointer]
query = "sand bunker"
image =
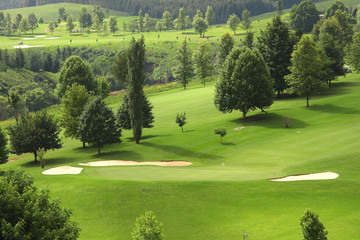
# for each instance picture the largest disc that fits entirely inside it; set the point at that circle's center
(239, 128)
(63, 170)
(52, 38)
(40, 36)
(133, 163)
(306, 177)
(27, 46)
(29, 38)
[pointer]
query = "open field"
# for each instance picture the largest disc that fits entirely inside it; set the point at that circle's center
(211, 201)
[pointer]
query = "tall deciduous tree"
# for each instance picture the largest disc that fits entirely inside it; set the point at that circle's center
(28, 213)
(73, 71)
(32, 22)
(147, 227)
(199, 23)
(4, 152)
(97, 125)
(312, 228)
(16, 104)
(113, 24)
(141, 21)
(74, 101)
(203, 61)
(183, 70)
(276, 45)
(167, 19)
(62, 13)
(51, 27)
(245, 83)
(209, 16)
(97, 11)
(354, 52)
(249, 39)
(246, 21)
(304, 16)
(226, 45)
(70, 24)
(335, 6)
(233, 22)
(33, 132)
(85, 19)
(306, 70)
(24, 25)
(182, 20)
(147, 21)
(135, 82)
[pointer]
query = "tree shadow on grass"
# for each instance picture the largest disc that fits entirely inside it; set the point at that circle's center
(338, 88)
(181, 151)
(131, 139)
(50, 162)
(330, 108)
(115, 155)
(270, 120)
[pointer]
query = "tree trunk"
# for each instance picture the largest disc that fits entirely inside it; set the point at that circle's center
(83, 144)
(307, 101)
(278, 94)
(182, 130)
(221, 140)
(244, 114)
(329, 83)
(35, 154)
(99, 150)
(185, 86)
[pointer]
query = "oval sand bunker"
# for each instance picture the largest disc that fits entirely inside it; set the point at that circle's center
(306, 177)
(63, 170)
(133, 163)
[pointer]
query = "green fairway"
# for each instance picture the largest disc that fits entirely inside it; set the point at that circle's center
(211, 201)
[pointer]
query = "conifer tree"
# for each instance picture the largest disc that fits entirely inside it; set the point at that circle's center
(209, 16)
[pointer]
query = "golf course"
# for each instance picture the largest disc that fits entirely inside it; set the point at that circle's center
(223, 189)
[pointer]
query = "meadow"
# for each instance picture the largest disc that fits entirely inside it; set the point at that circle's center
(226, 191)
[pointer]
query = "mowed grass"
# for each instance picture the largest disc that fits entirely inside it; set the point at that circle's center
(209, 200)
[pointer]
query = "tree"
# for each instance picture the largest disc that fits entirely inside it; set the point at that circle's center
(209, 16)
(103, 87)
(182, 20)
(202, 59)
(167, 20)
(73, 71)
(249, 39)
(120, 69)
(276, 44)
(233, 22)
(312, 228)
(304, 16)
(331, 10)
(159, 26)
(15, 103)
(306, 70)
(246, 21)
(123, 114)
(279, 7)
(51, 27)
(183, 70)
(354, 52)
(41, 20)
(245, 83)
(85, 20)
(24, 25)
(17, 22)
(98, 24)
(124, 25)
(113, 24)
(221, 132)
(97, 125)
(70, 24)
(4, 152)
(62, 13)
(141, 21)
(97, 11)
(147, 21)
(32, 22)
(28, 213)
(34, 131)
(74, 101)
(147, 227)
(226, 45)
(134, 83)
(181, 120)
(199, 24)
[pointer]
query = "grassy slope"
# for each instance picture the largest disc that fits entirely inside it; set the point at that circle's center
(208, 201)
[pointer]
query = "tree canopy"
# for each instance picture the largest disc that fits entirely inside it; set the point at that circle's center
(312, 228)
(304, 16)
(183, 70)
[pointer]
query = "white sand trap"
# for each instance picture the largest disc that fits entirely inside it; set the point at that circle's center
(306, 177)
(63, 170)
(133, 163)
(52, 38)
(27, 46)
(239, 128)
(29, 38)
(40, 36)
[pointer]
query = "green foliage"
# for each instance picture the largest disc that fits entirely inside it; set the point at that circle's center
(38, 99)
(199, 24)
(62, 13)
(120, 69)
(74, 101)
(97, 11)
(51, 27)
(353, 55)
(245, 83)
(202, 59)
(312, 228)
(147, 227)
(70, 24)
(141, 21)
(134, 83)
(123, 115)
(85, 19)
(182, 20)
(226, 45)
(221, 132)
(73, 71)
(331, 10)
(34, 131)
(4, 152)
(183, 70)
(15, 104)
(304, 16)
(246, 21)
(167, 20)
(306, 70)
(97, 125)
(32, 22)
(27, 213)
(249, 39)
(41, 153)
(181, 120)
(233, 22)
(276, 45)
(103, 87)
(113, 24)
(209, 16)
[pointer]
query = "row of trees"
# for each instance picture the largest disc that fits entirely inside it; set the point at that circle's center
(19, 24)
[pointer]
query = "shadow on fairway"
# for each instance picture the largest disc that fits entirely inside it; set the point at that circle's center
(180, 151)
(330, 108)
(49, 162)
(130, 139)
(270, 120)
(115, 155)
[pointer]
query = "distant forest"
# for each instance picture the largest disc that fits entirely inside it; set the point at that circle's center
(155, 8)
